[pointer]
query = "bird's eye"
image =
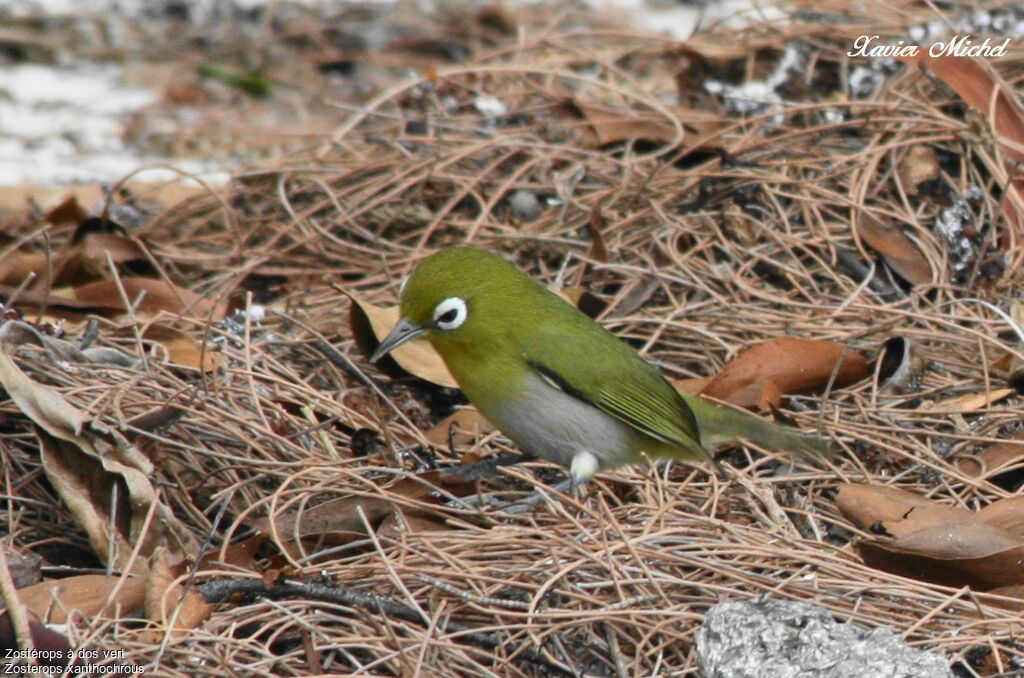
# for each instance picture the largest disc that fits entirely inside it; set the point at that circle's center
(450, 313)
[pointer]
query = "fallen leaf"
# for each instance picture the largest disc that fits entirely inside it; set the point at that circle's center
(1006, 514)
(89, 594)
(345, 519)
(18, 265)
(371, 323)
(149, 295)
(67, 211)
(760, 374)
(1016, 592)
(693, 385)
(898, 250)
(90, 258)
(89, 467)
(42, 404)
(995, 459)
(172, 603)
(897, 511)
(402, 522)
(613, 125)
(980, 89)
(970, 402)
(919, 165)
(466, 424)
(971, 554)
(183, 348)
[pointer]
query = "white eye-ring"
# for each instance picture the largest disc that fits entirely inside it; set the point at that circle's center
(450, 313)
(401, 285)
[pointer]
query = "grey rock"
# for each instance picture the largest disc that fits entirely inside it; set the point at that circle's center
(766, 637)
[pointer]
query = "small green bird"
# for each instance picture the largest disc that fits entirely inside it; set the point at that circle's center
(552, 379)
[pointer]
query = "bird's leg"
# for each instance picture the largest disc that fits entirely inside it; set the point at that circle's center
(584, 466)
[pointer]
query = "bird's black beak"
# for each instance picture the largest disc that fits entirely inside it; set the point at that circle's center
(404, 331)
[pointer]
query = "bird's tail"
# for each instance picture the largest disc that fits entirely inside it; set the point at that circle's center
(719, 425)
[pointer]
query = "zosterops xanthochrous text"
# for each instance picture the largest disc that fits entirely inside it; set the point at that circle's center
(555, 381)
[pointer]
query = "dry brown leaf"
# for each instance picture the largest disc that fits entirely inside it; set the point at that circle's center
(994, 459)
(957, 541)
(919, 165)
(87, 471)
(613, 125)
(183, 348)
(980, 89)
(149, 295)
(1017, 592)
(1006, 514)
(42, 404)
(898, 250)
(89, 594)
(693, 385)
(168, 601)
(67, 211)
(88, 466)
(977, 85)
(971, 402)
(898, 511)
(403, 522)
(467, 424)
(342, 520)
(17, 265)
(761, 373)
(91, 258)
(416, 357)
(972, 554)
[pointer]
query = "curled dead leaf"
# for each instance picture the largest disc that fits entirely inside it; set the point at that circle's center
(88, 465)
(183, 348)
(978, 86)
(371, 323)
(44, 405)
(464, 425)
(760, 374)
(346, 519)
(169, 601)
(88, 594)
(995, 459)
(920, 164)
(150, 296)
(971, 554)
(970, 402)
(1005, 514)
(612, 125)
(898, 250)
(897, 511)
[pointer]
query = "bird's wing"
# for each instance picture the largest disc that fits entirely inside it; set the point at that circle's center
(637, 396)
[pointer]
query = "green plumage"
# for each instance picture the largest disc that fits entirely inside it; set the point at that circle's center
(554, 380)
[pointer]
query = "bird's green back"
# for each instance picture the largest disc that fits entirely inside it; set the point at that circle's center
(514, 324)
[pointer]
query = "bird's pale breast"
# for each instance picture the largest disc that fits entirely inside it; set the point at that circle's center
(553, 425)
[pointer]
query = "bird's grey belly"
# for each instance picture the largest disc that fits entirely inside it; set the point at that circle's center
(553, 425)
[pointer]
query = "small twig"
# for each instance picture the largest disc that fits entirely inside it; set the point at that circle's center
(216, 591)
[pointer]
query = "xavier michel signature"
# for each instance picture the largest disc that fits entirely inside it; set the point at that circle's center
(960, 46)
